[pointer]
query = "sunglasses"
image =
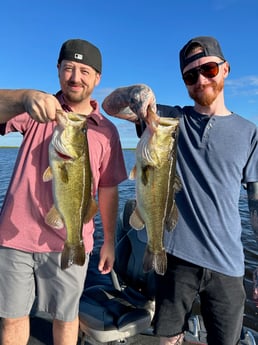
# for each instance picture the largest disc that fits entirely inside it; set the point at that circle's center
(208, 70)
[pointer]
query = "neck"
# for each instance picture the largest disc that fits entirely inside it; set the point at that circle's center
(84, 107)
(80, 109)
(210, 110)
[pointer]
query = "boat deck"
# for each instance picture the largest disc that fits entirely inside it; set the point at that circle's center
(41, 334)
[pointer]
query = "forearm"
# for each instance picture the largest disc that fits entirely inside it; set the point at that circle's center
(253, 207)
(252, 192)
(108, 206)
(11, 104)
(118, 101)
(130, 102)
(41, 106)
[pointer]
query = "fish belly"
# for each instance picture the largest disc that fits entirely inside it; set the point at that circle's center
(152, 204)
(72, 193)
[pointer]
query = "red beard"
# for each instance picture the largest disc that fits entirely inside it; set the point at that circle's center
(203, 97)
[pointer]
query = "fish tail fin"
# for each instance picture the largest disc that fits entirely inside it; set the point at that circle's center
(148, 260)
(156, 261)
(72, 254)
(160, 262)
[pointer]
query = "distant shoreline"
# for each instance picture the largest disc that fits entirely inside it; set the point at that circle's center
(9, 147)
(17, 147)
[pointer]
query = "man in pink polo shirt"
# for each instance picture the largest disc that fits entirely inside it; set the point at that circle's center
(30, 250)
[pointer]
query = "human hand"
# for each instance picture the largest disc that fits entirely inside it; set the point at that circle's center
(41, 106)
(255, 285)
(107, 258)
(130, 103)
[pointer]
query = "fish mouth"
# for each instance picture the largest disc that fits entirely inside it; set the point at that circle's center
(63, 155)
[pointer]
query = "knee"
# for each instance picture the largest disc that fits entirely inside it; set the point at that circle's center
(15, 330)
(64, 324)
(10, 322)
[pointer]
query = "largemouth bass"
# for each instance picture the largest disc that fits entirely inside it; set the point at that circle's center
(71, 177)
(156, 185)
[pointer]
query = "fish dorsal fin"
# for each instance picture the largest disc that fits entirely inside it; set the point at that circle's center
(54, 219)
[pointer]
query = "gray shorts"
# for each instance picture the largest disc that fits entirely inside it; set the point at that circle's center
(24, 276)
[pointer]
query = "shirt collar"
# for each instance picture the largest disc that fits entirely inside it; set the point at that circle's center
(95, 115)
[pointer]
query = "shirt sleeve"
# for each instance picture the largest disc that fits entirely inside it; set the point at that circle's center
(113, 169)
(251, 169)
(18, 123)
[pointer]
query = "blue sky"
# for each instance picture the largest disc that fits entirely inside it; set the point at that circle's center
(139, 41)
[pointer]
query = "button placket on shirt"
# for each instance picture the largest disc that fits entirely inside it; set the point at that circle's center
(206, 132)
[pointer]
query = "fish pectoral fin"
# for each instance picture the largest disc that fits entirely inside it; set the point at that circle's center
(136, 221)
(47, 175)
(146, 173)
(92, 210)
(72, 254)
(63, 173)
(172, 218)
(54, 219)
(132, 175)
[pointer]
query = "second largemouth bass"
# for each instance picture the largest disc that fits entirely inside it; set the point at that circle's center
(156, 185)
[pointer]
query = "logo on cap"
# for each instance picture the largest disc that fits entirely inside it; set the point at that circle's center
(78, 56)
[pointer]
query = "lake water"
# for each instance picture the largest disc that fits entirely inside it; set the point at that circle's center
(127, 191)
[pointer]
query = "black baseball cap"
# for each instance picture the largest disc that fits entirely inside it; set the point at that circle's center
(81, 51)
(210, 47)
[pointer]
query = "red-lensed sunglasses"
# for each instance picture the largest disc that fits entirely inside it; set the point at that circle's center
(208, 70)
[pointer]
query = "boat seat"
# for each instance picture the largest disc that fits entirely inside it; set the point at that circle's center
(113, 312)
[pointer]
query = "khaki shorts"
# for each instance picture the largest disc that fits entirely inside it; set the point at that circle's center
(24, 276)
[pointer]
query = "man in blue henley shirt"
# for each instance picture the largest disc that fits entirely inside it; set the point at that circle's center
(217, 152)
